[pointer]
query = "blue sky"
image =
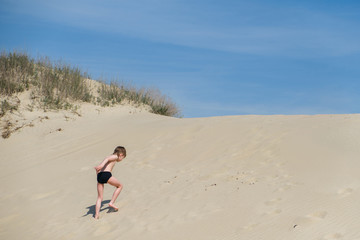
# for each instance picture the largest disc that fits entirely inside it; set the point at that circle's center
(210, 57)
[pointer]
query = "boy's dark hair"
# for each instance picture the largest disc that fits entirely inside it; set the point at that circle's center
(120, 150)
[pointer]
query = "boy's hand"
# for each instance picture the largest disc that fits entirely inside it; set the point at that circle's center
(97, 169)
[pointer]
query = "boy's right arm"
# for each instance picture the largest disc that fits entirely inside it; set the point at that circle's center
(101, 165)
(104, 162)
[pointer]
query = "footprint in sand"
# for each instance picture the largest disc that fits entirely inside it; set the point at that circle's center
(286, 186)
(272, 205)
(273, 212)
(272, 201)
(250, 226)
(318, 215)
(309, 219)
(332, 236)
(345, 192)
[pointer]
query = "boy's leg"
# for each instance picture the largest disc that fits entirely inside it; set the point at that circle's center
(114, 182)
(100, 189)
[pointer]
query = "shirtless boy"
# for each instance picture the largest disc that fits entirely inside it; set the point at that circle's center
(103, 171)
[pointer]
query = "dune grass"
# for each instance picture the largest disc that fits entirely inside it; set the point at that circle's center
(54, 85)
(59, 85)
(118, 93)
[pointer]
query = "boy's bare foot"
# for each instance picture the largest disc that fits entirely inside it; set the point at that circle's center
(96, 217)
(113, 206)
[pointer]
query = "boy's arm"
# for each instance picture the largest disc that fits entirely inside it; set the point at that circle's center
(104, 162)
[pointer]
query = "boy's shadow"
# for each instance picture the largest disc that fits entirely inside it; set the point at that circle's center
(91, 209)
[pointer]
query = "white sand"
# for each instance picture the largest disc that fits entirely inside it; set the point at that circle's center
(240, 177)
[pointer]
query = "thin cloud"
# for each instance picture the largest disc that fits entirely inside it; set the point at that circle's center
(309, 34)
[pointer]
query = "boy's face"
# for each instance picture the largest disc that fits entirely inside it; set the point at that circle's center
(121, 157)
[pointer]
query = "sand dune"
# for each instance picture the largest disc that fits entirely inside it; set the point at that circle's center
(238, 177)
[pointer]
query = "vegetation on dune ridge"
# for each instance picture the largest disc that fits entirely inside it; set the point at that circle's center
(59, 85)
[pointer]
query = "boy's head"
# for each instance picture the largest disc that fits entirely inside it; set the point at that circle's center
(120, 151)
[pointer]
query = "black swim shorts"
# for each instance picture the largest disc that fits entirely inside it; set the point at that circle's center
(103, 177)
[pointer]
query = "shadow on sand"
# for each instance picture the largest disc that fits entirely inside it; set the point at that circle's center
(91, 209)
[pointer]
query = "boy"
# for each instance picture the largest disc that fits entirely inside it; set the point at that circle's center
(103, 171)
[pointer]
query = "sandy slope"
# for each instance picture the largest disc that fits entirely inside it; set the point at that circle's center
(240, 177)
